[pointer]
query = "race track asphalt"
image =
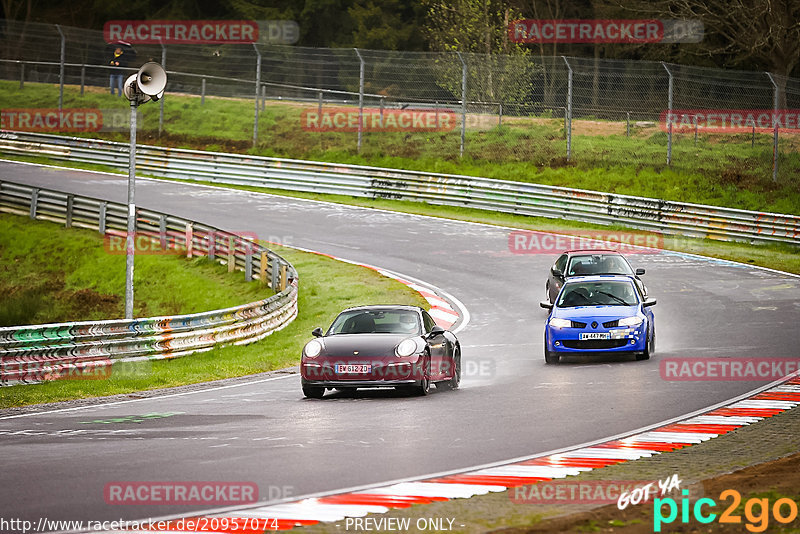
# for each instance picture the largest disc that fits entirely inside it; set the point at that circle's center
(511, 404)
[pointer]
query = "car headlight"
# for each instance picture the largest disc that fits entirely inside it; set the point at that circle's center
(407, 347)
(312, 348)
(557, 322)
(630, 321)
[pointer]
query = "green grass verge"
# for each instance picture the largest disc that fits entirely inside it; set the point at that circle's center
(49, 274)
(719, 170)
(783, 257)
(326, 287)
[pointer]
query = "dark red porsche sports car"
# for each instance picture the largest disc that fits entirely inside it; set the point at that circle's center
(381, 346)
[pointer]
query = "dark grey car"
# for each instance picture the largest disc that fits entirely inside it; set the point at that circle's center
(588, 262)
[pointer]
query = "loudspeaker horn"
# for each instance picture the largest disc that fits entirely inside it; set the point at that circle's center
(151, 80)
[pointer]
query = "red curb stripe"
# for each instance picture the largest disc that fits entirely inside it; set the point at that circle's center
(703, 429)
(489, 480)
(644, 445)
(746, 412)
(372, 499)
(573, 462)
(778, 395)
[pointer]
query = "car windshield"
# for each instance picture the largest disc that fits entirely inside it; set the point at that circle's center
(598, 264)
(611, 293)
(376, 322)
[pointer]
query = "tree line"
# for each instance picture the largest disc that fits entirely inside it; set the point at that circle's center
(740, 34)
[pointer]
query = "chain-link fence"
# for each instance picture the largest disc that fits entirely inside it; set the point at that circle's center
(548, 111)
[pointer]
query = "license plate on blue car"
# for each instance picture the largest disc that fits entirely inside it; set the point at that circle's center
(595, 335)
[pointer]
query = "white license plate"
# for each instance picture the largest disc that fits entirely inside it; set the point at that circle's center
(347, 369)
(595, 335)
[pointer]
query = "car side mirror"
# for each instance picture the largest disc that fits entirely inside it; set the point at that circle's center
(556, 272)
(317, 332)
(436, 330)
(639, 272)
(649, 302)
(546, 305)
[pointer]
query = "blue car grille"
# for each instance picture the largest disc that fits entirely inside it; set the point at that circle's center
(594, 343)
(578, 324)
(611, 324)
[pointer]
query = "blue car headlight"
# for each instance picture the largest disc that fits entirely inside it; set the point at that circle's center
(557, 322)
(631, 321)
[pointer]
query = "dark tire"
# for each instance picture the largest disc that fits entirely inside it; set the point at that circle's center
(549, 357)
(313, 392)
(649, 348)
(424, 386)
(454, 382)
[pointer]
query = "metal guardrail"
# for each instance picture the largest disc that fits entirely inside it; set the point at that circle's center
(669, 217)
(33, 353)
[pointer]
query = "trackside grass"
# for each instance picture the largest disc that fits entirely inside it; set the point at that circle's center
(58, 274)
(720, 170)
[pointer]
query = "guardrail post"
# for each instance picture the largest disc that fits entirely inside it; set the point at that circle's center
(231, 254)
(248, 262)
(319, 106)
(499, 114)
(161, 100)
(83, 77)
(275, 274)
(70, 201)
(695, 130)
(382, 103)
(627, 124)
(202, 91)
(34, 201)
(189, 240)
(212, 245)
(264, 97)
(22, 75)
(282, 284)
(669, 115)
(101, 218)
(162, 231)
(775, 128)
(360, 98)
(61, 69)
(262, 272)
(258, 86)
(568, 109)
(463, 103)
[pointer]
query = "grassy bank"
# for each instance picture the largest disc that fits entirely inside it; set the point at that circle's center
(327, 286)
(720, 170)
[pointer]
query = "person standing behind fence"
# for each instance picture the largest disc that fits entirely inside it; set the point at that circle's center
(119, 58)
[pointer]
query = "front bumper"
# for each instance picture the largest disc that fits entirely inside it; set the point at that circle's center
(567, 340)
(382, 373)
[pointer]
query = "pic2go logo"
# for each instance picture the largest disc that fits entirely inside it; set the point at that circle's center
(756, 511)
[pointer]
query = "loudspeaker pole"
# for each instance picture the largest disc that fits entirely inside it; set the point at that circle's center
(147, 84)
(129, 241)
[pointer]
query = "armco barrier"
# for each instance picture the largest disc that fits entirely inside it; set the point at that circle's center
(373, 182)
(88, 349)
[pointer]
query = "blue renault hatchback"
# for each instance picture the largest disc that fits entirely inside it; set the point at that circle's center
(599, 315)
